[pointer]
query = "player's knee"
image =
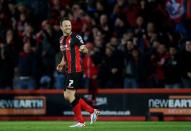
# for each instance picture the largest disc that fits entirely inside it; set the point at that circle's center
(66, 95)
(69, 94)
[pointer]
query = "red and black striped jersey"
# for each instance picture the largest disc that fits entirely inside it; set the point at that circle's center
(69, 46)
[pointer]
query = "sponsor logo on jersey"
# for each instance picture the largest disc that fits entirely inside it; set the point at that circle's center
(80, 39)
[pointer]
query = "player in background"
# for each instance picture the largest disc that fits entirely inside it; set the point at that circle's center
(71, 46)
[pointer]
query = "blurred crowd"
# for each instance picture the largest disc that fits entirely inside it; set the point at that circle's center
(132, 43)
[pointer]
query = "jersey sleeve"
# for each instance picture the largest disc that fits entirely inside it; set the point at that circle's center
(79, 40)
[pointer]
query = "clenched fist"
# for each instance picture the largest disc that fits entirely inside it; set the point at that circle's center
(83, 49)
(61, 67)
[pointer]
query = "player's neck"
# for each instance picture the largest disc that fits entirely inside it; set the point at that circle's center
(65, 34)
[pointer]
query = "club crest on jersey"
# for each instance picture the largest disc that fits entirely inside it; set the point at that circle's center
(64, 47)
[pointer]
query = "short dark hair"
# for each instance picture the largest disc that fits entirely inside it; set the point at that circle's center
(63, 19)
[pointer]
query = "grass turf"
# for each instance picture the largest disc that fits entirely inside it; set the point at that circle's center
(98, 126)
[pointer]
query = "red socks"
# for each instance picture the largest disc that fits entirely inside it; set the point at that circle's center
(78, 105)
(77, 113)
(85, 106)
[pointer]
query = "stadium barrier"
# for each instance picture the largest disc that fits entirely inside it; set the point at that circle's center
(115, 104)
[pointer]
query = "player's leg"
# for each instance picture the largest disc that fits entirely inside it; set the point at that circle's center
(77, 79)
(93, 112)
(76, 107)
(70, 96)
(84, 105)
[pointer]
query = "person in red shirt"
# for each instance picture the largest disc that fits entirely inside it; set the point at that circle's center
(71, 46)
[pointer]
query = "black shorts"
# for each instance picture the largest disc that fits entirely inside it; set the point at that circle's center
(73, 81)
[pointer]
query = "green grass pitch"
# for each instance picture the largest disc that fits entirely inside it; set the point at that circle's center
(98, 126)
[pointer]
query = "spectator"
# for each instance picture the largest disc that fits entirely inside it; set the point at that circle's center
(110, 67)
(139, 27)
(158, 62)
(9, 57)
(172, 69)
(133, 66)
(186, 64)
(119, 27)
(104, 25)
(26, 69)
(46, 52)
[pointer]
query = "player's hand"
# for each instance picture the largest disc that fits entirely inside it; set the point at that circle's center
(60, 67)
(83, 49)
